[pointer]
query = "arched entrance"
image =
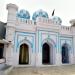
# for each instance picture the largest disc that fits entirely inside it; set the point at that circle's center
(24, 54)
(45, 54)
(65, 54)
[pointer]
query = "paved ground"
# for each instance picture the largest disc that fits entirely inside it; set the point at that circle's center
(52, 70)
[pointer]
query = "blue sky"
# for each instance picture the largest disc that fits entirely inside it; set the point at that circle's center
(65, 9)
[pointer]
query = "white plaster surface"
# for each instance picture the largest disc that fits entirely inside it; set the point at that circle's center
(20, 30)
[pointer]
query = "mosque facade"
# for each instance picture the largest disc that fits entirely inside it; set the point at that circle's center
(42, 41)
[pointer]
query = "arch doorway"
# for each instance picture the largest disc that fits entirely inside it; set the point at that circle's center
(24, 54)
(46, 53)
(65, 54)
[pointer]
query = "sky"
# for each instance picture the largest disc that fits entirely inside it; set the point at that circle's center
(65, 9)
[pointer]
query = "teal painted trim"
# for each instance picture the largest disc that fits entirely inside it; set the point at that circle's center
(68, 36)
(15, 42)
(40, 46)
(17, 32)
(48, 30)
(38, 41)
(24, 34)
(32, 44)
(27, 41)
(55, 34)
(58, 44)
(73, 46)
(66, 39)
(58, 38)
(35, 43)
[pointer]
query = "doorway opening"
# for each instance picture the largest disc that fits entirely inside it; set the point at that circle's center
(65, 54)
(24, 54)
(46, 54)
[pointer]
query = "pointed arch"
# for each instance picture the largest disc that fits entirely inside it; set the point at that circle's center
(65, 52)
(25, 48)
(49, 41)
(25, 41)
(48, 51)
(24, 54)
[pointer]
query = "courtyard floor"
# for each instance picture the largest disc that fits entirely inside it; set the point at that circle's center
(50, 70)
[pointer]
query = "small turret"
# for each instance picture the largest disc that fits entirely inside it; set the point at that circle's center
(10, 31)
(72, 22)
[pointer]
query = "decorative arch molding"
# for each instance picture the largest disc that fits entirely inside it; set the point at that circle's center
(66, 44)
(65, 53)
(52, 47)
(26, 42)
(49, 41)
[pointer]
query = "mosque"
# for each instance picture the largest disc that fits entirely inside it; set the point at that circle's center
(42, 41)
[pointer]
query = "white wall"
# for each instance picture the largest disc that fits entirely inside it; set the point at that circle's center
(18, 31)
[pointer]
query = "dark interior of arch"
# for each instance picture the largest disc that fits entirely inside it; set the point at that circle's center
(45, 54)
(24, 54)
(1, 50)
(65, 54)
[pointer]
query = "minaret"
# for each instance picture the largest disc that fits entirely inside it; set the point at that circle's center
(10, 31)
(11, 19)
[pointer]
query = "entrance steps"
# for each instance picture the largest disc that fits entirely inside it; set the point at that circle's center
(51, 70)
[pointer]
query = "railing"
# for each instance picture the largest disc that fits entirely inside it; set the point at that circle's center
(31, 22)
(44, 20)
(25, 21)
(66, 28)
